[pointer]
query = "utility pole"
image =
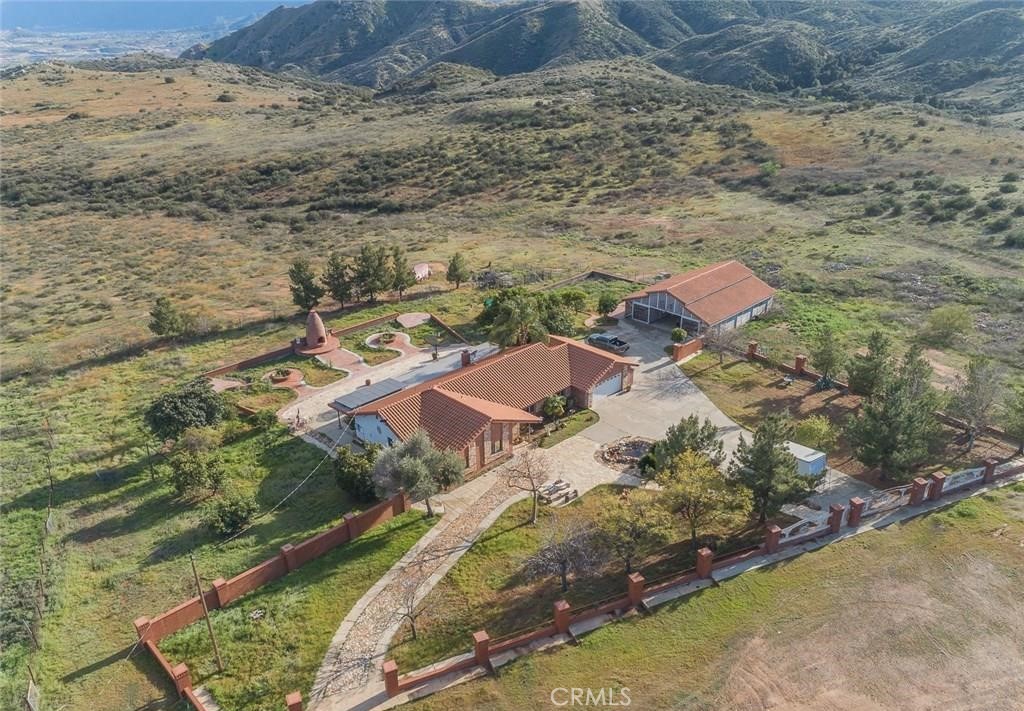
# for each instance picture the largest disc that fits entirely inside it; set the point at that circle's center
(206, 614)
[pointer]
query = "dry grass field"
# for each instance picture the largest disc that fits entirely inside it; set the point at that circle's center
(204, 182)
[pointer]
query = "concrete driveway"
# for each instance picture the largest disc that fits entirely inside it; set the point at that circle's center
(661, 395)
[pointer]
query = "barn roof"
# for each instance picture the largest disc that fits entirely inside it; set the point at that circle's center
(713, 293)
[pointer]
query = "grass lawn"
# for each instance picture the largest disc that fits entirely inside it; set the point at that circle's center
(920, 615)
(571, 425)
(356, 342)
(486, 589)
(274, 639)
(261, 397)
(314, 372)
(747, 392)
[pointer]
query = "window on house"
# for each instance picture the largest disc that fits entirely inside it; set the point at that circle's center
(497, 445)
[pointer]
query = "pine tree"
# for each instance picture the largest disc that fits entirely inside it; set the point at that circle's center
(868, 371)
(372, 272)
(166, 320)
(402, 275)
(337, 279)
(975, 396)
(828, 356)
(897, 425)
(306, 292)
(766, 467)
(458, 270)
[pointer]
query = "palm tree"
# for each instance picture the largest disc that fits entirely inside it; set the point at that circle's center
(518, 323)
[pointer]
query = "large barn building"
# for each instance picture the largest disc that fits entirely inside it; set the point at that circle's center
(720, 296)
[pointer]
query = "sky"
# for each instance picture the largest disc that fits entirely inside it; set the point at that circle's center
(129, 15)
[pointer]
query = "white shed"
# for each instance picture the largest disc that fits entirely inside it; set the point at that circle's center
(809, 462)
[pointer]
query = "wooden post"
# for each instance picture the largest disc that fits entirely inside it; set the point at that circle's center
(206, 614)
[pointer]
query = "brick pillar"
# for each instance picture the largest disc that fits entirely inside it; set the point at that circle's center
(288, 557)
(835, 517)
(752, 350)
(293, 701)
(771, 538)
(220, 587)
(636, 589)
(141, 627)
(918, 488)
(990, 470)
(800, 364)
(856, 510)
(561, 616)
(482, 648)
(466, 358)
(935, 490)
(704, 557)
(677, 352)
(390, 670)
(350, 527)
(182, 678)
(406, 501)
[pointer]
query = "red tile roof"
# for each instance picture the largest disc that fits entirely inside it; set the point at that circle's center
(715, 292)
(456, 407)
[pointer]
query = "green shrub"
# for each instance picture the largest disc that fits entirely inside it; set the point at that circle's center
(1000, 224)
(354, 473)
(1007, 188)
(226, 98)
(678, 335)
(230, 514)
(1014, 240)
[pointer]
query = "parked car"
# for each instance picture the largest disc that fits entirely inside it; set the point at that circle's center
(609, 343)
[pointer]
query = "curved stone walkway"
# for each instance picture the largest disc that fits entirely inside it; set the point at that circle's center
(357, 651)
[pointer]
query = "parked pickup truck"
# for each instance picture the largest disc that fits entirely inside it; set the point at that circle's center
(609, 343)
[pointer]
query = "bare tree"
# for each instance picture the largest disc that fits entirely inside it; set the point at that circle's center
(571, 545)
(720, 340)
(408, 606)
(528, 472)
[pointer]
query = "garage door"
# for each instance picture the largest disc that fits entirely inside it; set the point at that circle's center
(608, 387)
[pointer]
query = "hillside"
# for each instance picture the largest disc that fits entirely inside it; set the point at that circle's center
(969, 52)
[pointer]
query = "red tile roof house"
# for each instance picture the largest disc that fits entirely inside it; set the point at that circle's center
(478, 409)
(719, 296)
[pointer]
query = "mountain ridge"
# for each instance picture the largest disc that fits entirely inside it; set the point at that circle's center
(871, 48)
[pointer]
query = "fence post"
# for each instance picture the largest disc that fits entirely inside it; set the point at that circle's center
(182, 678)
(482, 648)
(704, 558)
(293, 701)
(220, 587)
(835, 517)
(856, 510)
(771, 538)
(350, 527)
(288, 557)
(636, 589)
(990, 471)
(561, 616)
(141, 627)
(935, 490)
(800, 364)
(918, 487)
(390, 670)
(752, 350)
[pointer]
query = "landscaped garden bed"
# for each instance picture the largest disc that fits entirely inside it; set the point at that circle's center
(567, 427)
(313, 371)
